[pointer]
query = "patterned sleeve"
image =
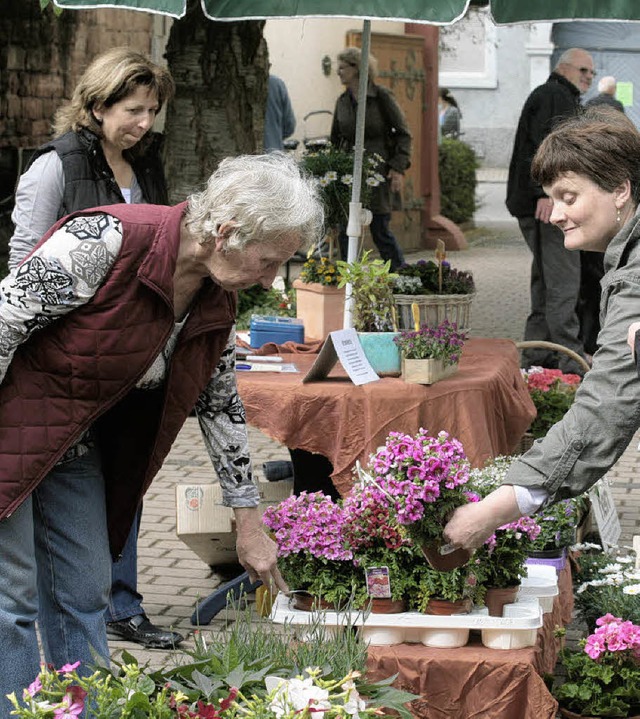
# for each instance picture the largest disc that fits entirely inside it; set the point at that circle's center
(62, 274)
(222, 421)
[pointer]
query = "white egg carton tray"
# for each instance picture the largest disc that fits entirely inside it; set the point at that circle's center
(541, 582)
(516, 629)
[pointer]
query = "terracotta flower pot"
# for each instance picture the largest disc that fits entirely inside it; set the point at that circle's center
(380, 605)
(444, 562)
(443, 607)
(320, 307)
(310, 603)
(497, 597)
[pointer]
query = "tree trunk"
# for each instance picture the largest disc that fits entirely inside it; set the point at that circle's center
(220, 70)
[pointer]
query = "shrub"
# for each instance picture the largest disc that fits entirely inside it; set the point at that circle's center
(457, 165)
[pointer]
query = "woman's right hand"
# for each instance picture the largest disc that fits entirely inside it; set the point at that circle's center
(631, 337)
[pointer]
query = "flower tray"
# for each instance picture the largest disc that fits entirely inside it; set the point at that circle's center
(434, 309)
(515, 630)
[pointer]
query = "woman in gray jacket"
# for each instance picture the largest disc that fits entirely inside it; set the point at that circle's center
(386, 134)
(590, 167)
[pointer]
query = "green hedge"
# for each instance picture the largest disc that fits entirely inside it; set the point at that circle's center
(457, 165)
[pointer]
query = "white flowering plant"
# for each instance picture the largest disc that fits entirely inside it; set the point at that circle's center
(333, 170)
(614, 587)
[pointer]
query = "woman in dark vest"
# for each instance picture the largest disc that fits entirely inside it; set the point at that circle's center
(103, 153)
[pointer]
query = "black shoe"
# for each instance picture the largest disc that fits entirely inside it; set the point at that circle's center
(140, 630)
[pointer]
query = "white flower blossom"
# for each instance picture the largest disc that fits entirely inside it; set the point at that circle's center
(632, 589)
(295, 695)
(347, 179)
(611, 569)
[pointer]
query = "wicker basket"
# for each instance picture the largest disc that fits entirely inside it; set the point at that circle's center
(533, 344)
(434, 309)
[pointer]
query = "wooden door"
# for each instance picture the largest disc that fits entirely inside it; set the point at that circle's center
(401, 69)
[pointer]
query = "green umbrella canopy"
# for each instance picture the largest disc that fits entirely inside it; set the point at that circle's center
(440, 12)
(427, 11)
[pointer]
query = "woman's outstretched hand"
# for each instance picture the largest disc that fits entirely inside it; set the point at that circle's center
(472, 524)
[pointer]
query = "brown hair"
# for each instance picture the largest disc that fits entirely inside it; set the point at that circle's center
(112, 76)
(601, 144)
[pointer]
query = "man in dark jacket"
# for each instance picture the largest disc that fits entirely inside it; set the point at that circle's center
(555, 272)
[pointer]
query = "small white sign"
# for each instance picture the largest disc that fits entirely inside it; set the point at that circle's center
(605, 513)
(352, 357)
(343, 346)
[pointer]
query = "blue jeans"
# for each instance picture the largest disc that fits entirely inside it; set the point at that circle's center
(56, 570)
(124, 600)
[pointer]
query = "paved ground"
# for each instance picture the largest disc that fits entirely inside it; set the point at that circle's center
(173, 578)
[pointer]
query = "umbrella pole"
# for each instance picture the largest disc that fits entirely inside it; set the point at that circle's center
(354, 226)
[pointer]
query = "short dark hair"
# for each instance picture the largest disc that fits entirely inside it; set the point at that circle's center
(600, 143)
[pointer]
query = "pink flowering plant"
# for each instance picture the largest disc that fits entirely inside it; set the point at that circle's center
(603, 677)
(502, 558)
(376, 539)
(443, 342)
(313, 554)
(65, 694)
(424, 478)
(552, 393)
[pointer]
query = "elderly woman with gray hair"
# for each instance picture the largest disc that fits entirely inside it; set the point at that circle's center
(111, 331)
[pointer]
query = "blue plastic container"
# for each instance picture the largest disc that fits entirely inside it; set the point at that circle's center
(270, 328)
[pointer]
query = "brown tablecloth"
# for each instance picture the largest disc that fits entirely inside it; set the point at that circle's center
(485, 405)
(473, 682)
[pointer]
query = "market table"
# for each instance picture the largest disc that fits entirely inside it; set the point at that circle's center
(485, 405)
(476, 682)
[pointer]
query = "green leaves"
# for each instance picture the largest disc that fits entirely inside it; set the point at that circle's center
(372, 290)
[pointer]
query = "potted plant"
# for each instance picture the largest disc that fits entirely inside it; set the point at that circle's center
(440, 292)
(552, 393)
(425, 479)
(381, 549)
(319, 300)
(452, 592)
(430, 353)
(613, 586)
(313, 554)
(558, 524)
(603, 676)
(501, 560)
(373, 313)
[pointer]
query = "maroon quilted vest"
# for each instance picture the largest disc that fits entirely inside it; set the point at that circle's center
(81, 371)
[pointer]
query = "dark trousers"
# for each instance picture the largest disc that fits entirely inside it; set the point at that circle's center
(312, 473)
(555, 286)
(383, 239)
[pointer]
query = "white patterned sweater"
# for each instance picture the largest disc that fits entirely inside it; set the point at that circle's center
(63, 274)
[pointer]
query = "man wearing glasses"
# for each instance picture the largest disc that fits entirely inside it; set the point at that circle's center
(555, 271)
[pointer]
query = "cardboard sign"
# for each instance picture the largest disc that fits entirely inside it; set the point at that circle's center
(605, 513)
(343, 346)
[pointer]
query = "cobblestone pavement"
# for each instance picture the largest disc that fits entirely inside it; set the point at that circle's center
(172, 578)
